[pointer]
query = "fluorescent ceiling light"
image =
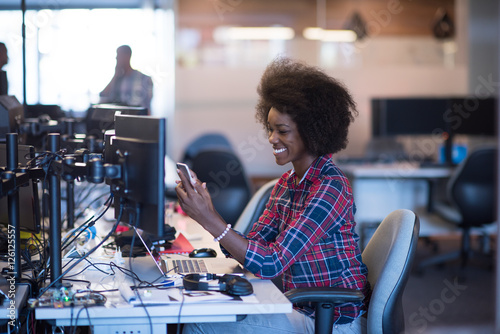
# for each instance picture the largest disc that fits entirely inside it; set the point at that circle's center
(253, 33)
(329, 35)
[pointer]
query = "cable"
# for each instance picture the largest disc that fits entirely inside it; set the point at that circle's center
(87, 254)
(81, 199)
(90, 222)
(90, 205)
(88, 317)
(179, 315)
(71, 318)
(43, 160)
(137, 219)
(78, 280)
(76, 320)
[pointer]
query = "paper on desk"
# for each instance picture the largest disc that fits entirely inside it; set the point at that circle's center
(173, 296)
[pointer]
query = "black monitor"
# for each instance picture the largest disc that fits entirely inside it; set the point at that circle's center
(473, 116)
(139, 146)
(408, 116)
(101, 117)
(11, 115)
(29, 204)
(35, 110)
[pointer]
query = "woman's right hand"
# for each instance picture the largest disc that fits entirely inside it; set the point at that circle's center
(194, 199)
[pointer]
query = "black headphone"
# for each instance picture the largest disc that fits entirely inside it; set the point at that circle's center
(233, 285)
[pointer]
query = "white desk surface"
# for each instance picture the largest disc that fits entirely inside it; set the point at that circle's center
(117, 313)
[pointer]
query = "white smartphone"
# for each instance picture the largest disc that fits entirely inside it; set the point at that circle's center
(185, 170)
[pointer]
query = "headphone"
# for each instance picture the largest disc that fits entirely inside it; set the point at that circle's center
(233, 285)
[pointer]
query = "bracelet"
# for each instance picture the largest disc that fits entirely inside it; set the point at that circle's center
(228, 227)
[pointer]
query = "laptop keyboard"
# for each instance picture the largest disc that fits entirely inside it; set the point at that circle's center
(190, 266)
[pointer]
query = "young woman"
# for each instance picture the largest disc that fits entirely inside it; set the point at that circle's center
(306, 232)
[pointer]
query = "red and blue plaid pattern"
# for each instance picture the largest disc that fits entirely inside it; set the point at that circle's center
(307, 234)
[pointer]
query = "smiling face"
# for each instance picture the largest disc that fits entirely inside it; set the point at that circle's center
(287, 142)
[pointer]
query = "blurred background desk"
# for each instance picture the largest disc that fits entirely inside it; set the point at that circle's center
(382, 188)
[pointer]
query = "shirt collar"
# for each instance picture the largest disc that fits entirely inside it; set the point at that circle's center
(313, 171)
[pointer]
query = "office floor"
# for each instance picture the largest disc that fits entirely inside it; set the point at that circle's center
(444, 299)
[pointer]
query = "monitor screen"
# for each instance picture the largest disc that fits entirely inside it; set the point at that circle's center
(35, 110)
(473, 116)
(408, 116)
(101, 117)
(139, 146)
(29, 205)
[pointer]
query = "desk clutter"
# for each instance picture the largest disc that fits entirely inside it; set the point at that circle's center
(131, 245)
(66, 296)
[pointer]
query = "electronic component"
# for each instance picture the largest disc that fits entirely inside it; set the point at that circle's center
(67, 297)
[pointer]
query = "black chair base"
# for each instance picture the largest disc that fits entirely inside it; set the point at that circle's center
(465, 256)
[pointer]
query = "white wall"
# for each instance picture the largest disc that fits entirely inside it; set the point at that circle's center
(222, 99)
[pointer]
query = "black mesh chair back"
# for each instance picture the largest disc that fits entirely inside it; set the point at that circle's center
(207, 141)
(226, 181)
(472, 189)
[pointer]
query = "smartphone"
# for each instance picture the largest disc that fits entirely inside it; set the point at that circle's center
(185, 170)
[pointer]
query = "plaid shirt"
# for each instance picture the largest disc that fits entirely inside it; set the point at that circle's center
(307, 234)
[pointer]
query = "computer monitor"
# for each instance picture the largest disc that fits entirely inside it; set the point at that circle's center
(408, 116)
(35, 110)
(29, 204)
(101, 117)
(11, 115)
(139, 146)
(473, 116)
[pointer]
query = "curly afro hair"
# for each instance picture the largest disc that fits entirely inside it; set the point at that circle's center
(321, 106)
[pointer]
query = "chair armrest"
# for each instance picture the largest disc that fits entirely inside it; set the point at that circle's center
(324, 294)
(325, 299)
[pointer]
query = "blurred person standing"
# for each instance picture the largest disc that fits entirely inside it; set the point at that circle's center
(4, 59)
(128, 86)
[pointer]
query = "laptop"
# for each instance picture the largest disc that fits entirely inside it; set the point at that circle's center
(178, 265)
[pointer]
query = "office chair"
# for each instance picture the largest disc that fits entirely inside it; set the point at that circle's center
(471, 201)
(254, 208)
(207, 141)
(226, 181)
(389, 256)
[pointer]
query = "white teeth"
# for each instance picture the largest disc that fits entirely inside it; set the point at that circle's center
(280, 150)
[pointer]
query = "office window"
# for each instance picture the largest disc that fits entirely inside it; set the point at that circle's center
(70, 53)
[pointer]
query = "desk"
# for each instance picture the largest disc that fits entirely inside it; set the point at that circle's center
(7, 314)
(117, 316)
(379, 189)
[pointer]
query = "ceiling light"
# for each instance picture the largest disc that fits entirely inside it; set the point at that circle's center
(314, 33)
(253, 33)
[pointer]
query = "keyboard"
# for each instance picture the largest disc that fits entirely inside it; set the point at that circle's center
(195, 266)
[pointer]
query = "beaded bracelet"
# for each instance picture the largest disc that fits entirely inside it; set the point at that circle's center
(228, 227)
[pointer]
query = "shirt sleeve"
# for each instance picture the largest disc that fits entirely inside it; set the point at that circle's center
(270, 253)
(266, 229)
